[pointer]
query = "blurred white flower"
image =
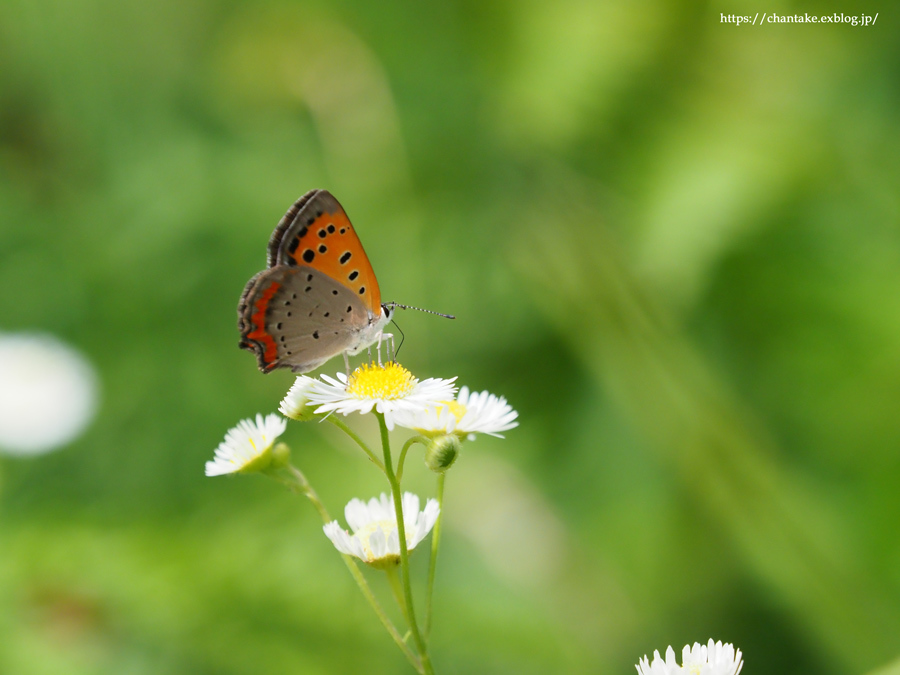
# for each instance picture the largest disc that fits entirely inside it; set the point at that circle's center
(713, 658)
(374, 524)
(469, 414)
(389, 389)
(248, 446)
(48, 393)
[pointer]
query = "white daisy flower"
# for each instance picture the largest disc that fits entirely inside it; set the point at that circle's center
(296, 404)
(375, 539)
(468, 415)
(389, 389)
(248, 446)
(713, 658)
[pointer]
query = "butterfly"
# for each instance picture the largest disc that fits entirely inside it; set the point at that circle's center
(318, 297)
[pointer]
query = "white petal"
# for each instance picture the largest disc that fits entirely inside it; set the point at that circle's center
(393, 543)
(379, 544)
(425, 522)
(339, 537)
(357, 514)
(217, 469)
(431, 513)
(381, 508)
(415, 533)
(410, 504)
(485, 413)
(670, 658)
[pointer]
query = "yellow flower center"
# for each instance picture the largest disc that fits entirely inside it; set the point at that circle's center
(387, 382)
(457, 409)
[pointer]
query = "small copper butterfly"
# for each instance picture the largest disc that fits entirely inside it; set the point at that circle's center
(318, 297)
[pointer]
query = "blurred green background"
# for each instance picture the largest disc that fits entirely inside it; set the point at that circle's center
(672, 243)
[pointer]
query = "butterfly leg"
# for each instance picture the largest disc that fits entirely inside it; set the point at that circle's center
(347, 364)
(388, 339)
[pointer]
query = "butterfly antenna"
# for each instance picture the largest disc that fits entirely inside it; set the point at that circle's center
(402, 338)
(418, 309)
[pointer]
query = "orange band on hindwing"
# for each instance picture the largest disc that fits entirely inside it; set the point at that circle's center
(259, 334)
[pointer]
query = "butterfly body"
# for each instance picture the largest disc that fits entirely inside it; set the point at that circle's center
(318, 297)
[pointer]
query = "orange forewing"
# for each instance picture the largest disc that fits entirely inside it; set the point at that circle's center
(326, 241)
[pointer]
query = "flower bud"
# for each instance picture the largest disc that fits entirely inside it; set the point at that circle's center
(281, 456)
(441, 452)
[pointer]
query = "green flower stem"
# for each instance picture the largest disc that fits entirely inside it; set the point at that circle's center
(308, 491)
(386, 622)
(352, 434)
(301, 485)
(406, 447)
(432, 561)
(397, 588)
(404, 552)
